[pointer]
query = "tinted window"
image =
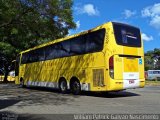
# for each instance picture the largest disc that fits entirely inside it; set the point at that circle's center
(150, 72)
(91, 42)
(94, 41)
(33, 56)
(57, 50)
(51, 51)
(156, 72)
(127, 35)
(77, 45)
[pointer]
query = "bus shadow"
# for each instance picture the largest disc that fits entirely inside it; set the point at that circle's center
(44, 89)
(110, 94)
(31, 117)
(7, 103)
(40, 96)
(92, 94)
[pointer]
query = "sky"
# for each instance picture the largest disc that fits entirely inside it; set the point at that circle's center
(144, 14)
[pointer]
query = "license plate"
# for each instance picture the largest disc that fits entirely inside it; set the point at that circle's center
(131, 81)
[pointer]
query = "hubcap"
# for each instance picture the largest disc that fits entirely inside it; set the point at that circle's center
(76, 86)
(63, 86)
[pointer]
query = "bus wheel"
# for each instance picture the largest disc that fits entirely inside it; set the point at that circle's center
(21, 83)
(76, 87)
(63, 86)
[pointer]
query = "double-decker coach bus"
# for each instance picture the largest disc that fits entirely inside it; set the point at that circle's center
(109, 57)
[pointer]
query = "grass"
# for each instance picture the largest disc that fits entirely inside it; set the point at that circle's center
(153, 82)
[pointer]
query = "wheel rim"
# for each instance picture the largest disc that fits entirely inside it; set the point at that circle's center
(63, 86)
(76, 86)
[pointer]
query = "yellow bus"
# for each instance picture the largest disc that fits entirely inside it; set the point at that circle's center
(11, 73)
(1, 74)
(1, 78)
(109, 57)
(11, 76)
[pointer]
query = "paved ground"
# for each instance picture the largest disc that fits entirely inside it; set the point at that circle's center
(47, 101)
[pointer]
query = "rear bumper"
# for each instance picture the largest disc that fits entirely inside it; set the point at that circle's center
(116, 85)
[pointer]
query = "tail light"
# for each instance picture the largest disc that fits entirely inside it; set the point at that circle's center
(111, 67)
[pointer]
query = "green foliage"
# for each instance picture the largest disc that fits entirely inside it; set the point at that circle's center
(6, 49)
(27, 23)
(152, 59)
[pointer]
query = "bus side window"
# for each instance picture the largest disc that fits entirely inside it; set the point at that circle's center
(94, 41)
(77, 46)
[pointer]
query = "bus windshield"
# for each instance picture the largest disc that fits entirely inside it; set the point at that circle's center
(127, 35)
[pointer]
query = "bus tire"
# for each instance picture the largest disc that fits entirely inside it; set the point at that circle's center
(75, 87)
(63, 86)
(21, 83)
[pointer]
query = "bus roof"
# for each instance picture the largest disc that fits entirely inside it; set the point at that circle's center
(119, 23)
(71, 36)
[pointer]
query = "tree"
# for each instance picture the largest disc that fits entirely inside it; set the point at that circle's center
(156, 58)
(152, 59)
(27, 23)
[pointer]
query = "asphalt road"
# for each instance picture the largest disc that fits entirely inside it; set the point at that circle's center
(47, 101)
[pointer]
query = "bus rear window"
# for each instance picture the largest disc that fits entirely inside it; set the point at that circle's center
(127, 35)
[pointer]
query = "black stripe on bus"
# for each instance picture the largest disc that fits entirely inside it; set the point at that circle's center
(130, 56)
